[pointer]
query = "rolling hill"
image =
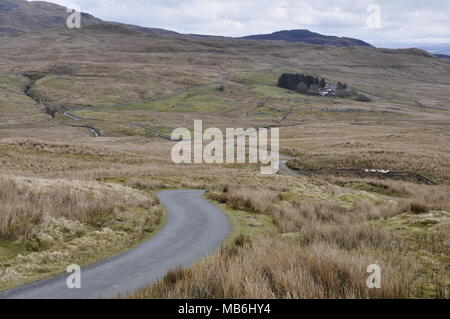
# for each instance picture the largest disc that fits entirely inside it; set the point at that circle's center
(17, 16)
(22, 16)
(74, 196)
(306, 36)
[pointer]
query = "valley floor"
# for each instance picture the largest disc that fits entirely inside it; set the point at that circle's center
(70, 197)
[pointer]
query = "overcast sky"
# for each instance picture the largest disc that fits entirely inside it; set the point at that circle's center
(403, 22)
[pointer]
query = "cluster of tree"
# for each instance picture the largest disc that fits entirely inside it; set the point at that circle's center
(301, 83)
(307, 84)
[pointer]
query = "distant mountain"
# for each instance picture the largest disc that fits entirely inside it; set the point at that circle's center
(18, 16)
(442, 48)
(306, 36)
(442, 56)
(22, 16)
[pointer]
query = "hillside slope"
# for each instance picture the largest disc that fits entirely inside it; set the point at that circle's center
(23, 16)
(306, 36)
(75, 196)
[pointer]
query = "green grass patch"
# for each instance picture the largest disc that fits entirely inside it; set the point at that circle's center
(9, 250)
(273, 92)
(372, 188)
(428, 241)
(97, 114)
(280, 71)
(256, 78)
(248, 224)
(354, 198)
(8, 81)
(412, 223)
(197, 101)
(425, 223)
(57, 82)
(130, 131)
(266, 111)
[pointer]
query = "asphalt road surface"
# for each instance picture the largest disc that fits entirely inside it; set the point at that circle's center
(194, 229)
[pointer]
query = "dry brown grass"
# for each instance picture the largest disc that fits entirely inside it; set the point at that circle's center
(323, 250)
(247, 199)
(291, 215)
(430, 198)
(415, 198)
(47, 224)
(326, 239)
(409, 164)
(24, 208)
(273, 268)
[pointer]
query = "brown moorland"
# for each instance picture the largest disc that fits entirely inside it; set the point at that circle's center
(306, 236)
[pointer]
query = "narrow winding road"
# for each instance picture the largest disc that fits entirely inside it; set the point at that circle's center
(194, 229)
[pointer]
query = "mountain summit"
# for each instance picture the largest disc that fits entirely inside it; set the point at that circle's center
(306, 36)
(23, 16)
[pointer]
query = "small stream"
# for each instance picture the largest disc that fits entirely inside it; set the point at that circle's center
(34, 77)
